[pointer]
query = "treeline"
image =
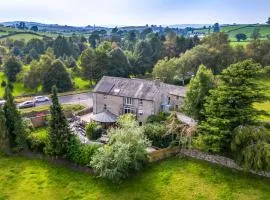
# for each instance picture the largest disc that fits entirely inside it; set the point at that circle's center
(53, 60)
(216, 53)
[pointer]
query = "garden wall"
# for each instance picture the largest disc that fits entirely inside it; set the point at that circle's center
(216, 159)
(162, 154)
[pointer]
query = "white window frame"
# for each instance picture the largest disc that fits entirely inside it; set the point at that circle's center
(128, 101)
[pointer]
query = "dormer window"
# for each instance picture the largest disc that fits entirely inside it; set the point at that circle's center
(128, 101)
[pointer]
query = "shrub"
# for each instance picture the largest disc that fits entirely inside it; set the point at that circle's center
(125, 152)
(160, 117)
(37, 139)
(81, 153)
(3, 84)
(93, 131)
(156, 133)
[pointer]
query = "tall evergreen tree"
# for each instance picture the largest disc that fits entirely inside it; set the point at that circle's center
(59, 132)
(14, 123)
(231, 105)
(197, 92)
(4, 143)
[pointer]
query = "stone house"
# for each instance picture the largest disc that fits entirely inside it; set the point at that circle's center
(114, 96)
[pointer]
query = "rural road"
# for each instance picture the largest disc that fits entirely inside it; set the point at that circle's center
(84, 99)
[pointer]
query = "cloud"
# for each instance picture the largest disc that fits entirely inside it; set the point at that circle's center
(135, 12)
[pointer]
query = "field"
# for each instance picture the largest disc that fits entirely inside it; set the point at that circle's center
(266, 105)
(20, 89)
(26, 37)
(232, 30)
(22, 178)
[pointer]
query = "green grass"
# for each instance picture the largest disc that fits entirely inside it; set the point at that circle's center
(80, 83)
(66, 107)
(26, 37)
(18, 90)
(40, 132)
(266, 105)
(22, 178)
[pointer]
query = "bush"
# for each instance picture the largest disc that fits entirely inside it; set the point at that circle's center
(159, 118)
(93, 131)
(3, 84)
(81, 153)
(156, 133)
(125, 152)
(37, 139)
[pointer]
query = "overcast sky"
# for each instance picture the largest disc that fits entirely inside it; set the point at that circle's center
(135, 12)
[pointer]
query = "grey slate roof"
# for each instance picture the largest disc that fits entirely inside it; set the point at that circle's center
(135, 88)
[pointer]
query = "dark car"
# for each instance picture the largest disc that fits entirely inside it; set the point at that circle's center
(27, 104)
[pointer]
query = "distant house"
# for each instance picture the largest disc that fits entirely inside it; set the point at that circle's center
(114, 96)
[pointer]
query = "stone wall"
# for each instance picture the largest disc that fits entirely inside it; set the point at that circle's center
(219, 160)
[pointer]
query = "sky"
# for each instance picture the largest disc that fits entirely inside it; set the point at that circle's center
(135, 12)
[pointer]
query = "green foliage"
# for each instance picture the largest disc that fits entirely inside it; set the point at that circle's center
(81, 153)
(57, 75)
(165, 70)
(93, 131)
(231, 105)
(159, 118)
(155, 132)
(12, 67)
(197, 92)
(240, 36)
(38, 139)
(4, 143)
(125, 152)
(59, 132)
(32, 79)
(216, 28)
(118, 63)
(251, 145)
(144, 61)
(90, 69)
(61, 47)
(14, 124)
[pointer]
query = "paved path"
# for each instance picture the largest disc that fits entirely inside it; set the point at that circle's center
(84, 99)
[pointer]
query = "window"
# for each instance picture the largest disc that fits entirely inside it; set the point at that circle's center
(141, 102)
(105, 96)
(128, 101)
(169, 100)
(176, 107)
(140, 123)
(140, 112)
(105, 107)
(127, 110)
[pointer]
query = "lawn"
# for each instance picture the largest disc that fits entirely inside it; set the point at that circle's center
(266, 105)
(22, 178)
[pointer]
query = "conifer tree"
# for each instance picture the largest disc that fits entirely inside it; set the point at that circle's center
(3, 131)
(14, 123)
(231, 104)
(59, 132)
(197, 93)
